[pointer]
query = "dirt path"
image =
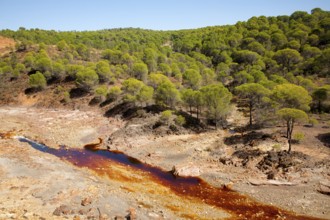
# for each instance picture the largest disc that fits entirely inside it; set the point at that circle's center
(35, 185)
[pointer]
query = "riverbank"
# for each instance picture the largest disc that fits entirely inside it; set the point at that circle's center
(39, 185)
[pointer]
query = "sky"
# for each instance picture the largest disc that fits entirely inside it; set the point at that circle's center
(79, 15)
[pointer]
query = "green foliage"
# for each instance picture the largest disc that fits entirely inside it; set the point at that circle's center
(299, 137)
(167, 94)
(73, 69)
(192, 78)
(291, 96)
(288, 58)
(261, 54)
(145, 94)
(103, 71)
(320, 95)
(114, 92)
(37, 81)
(216, 99)
(58, 70)
(66, 97)
(43, 64)
(254, 93)
(313, 121)
(132, 86)
(62, 45)
(7, 69)
(290, 116)
(155, 79)
(140, 71)
(180, 120)
(166, 115)
(101, 91)
(165, 68)
(87, 79)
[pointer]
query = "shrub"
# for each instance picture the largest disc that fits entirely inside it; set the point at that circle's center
(166, 115)
(66, 97)
(37, 81)
(180, 120)
(313, 121)
(298, 137)
(87, 78)
(101, 91)
(114, 92)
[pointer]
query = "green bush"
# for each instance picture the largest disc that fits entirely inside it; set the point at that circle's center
(87, 79)
(298, 137)
(180, 120)
(166, 116)
(114, 92)
(101, 91)
(66, 97)
(37, 81)
(313, 121)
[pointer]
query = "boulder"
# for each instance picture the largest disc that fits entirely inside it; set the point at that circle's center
(186, 170)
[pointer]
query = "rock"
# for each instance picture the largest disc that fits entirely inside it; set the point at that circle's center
(153, 215)
(8, 216)
(63, 209)
(86, 201)
(324, 188)
(186, 170)
(256, 182)
(131, 214)
(225, 160)
(84, 211)
(103, 217)
(76, 217)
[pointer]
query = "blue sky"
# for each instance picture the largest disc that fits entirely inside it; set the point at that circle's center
(149, 14)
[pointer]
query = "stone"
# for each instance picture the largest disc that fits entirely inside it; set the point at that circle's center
(186, 170)
(153, 215)
(131, 214)
(324, 188)
(63, 209)
(86, 201)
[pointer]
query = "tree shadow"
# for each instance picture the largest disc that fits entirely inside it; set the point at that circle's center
(77, 93)
(94, 101)
(107, 102)
(31, 91)
(124, 109)
(246, 138)
(324, 138)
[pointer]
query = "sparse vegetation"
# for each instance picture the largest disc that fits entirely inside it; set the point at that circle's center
(298, 137)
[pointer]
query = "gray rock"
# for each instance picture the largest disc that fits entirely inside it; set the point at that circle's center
(186, 170)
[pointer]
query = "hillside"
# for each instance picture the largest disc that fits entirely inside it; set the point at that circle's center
(244, 106)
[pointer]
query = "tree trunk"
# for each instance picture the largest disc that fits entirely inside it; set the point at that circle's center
(250, 109)
(319, 107)
(287, 128)
(290, 134)
(216, 121)
(197, 111)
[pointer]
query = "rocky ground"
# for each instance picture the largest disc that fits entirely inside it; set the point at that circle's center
(36, 185)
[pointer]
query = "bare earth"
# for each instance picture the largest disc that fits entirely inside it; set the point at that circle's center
(36, 185)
